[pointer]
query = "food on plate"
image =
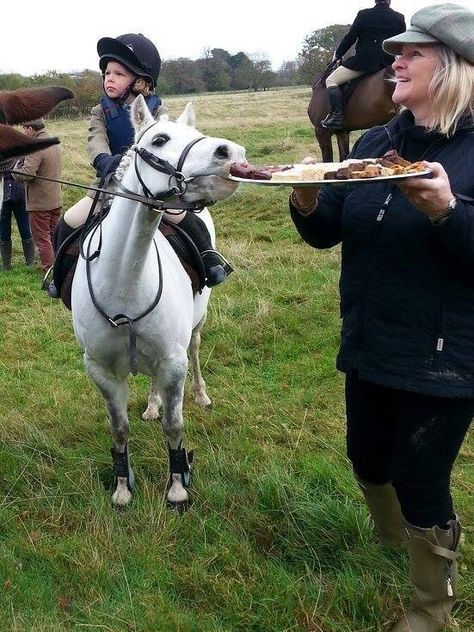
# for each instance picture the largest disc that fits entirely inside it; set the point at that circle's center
(249, 172)
(390, 164)
(304, 172)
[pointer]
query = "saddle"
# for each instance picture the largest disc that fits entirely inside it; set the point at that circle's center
(68, 254)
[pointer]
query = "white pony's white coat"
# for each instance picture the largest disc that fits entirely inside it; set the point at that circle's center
(125, 280)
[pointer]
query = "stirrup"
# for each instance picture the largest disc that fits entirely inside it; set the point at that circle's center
(333, 121)
(219, 271)
(48, 285)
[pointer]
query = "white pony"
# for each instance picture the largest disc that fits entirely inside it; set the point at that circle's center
(133, 306)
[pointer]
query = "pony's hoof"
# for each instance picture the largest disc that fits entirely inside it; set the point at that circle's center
(151, 413)
(122, 496)
(203, 400)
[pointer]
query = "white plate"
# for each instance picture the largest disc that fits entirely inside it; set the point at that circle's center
(310, 183)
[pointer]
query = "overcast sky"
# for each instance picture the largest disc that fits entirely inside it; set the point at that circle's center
(61, 35)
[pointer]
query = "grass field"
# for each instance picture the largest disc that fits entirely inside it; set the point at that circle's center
(278, 538)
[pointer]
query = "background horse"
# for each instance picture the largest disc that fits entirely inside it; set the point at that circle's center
(138, 277)
(369, 104)
(20, 106)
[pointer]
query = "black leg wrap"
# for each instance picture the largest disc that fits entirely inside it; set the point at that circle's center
(122, 467)
(180, 463)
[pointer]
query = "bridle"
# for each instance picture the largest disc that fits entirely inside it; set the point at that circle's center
(177, 181)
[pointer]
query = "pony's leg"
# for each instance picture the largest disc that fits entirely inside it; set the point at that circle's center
(154, 402)
(325, 144)
(115, 393)
(201, 398)
(343, 145)
(173, 374)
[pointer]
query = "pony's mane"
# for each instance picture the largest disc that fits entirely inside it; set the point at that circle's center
(123, 165)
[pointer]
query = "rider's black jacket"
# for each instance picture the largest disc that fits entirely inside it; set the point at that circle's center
(369, 30)
(407, 285)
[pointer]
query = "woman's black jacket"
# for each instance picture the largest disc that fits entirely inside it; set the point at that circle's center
(407, 285)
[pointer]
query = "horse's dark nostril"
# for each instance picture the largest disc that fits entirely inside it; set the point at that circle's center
(222, 151)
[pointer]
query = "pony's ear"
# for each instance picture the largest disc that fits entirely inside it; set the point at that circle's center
(140, 115)
(187, 117)
(161, 114)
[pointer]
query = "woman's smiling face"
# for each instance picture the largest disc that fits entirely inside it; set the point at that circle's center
(414, 70)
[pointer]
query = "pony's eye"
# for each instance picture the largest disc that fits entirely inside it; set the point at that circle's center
(160, 140)
(222, 151)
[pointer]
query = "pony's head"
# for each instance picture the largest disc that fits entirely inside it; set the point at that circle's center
(163, 147)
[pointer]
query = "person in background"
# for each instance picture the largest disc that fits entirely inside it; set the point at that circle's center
(14, 205)
(407, 304)
(368, 31)
(43, 197)
(130, 65)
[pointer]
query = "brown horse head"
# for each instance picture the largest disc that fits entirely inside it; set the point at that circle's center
(369, 104)
(14, 143)
(27, 104)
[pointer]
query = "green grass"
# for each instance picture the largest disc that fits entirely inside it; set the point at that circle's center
(277, 538)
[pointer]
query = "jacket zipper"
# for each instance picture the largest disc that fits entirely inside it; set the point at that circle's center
(439, 337)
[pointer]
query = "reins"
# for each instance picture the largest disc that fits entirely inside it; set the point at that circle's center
(154, 203)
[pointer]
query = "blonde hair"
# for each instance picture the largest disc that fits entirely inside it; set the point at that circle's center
(141, 86)
(451, 90)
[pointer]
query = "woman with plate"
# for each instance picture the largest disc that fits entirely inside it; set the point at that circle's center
(407, 304)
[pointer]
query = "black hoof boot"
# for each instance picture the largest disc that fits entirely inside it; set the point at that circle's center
(180, 463)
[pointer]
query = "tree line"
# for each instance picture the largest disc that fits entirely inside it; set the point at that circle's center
(216, 71)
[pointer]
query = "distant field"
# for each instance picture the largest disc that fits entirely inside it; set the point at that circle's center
(278, 538)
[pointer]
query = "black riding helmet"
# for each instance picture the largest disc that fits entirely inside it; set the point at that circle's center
(135, 51)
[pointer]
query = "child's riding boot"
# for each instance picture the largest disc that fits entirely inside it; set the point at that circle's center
(6, 253)
(385, 510)
(334, 120)
(433, 572)
(28, 251)
(62, 232)
(215, 266)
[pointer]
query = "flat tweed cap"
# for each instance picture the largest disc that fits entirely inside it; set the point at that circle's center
(447, 23)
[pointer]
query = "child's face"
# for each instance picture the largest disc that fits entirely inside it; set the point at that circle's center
(116, 80)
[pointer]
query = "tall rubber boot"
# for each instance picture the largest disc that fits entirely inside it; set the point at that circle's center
(335, 120)
(29, 251)
(216, 268)
(385, 510)
(433, 573)
(6, 254)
